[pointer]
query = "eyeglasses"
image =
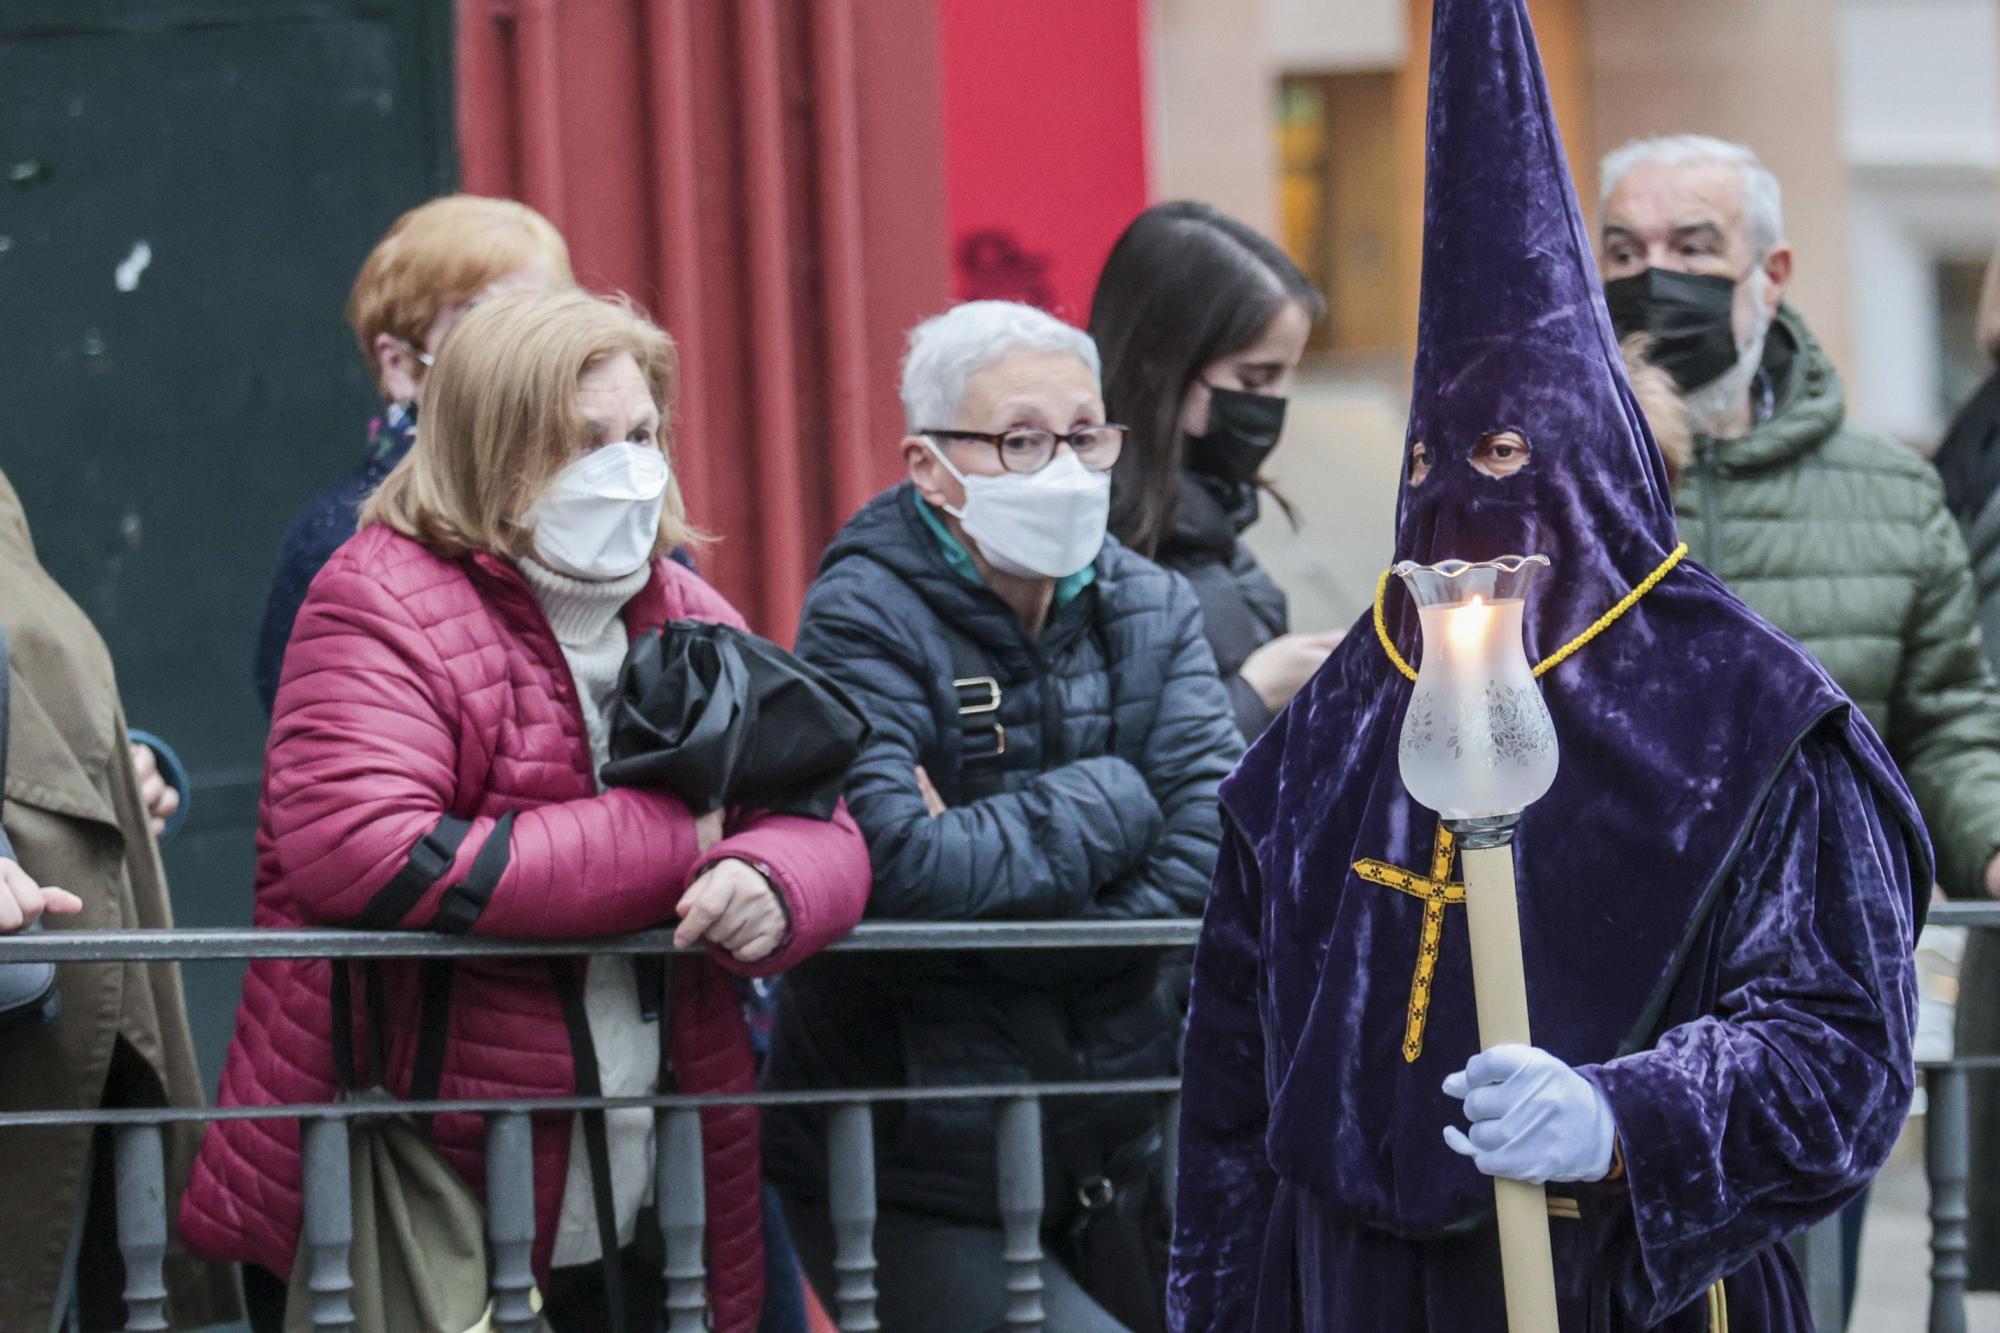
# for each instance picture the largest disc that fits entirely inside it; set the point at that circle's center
(1096, 447)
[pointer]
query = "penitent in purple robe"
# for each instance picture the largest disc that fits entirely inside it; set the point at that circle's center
(1719, 896)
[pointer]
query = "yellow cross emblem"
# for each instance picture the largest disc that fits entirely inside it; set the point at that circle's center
(1437, 891)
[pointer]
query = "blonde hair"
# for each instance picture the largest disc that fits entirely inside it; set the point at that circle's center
(500, 419)
(1660, 399)
(443, 254)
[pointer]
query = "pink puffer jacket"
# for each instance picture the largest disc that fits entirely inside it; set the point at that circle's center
(417, 688)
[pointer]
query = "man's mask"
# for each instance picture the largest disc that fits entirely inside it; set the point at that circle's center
(1687, 316)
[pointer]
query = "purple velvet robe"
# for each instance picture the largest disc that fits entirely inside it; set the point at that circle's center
(1771, 1088)
(1719, 896)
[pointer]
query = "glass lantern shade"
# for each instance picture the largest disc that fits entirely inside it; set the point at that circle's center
(1477, 741)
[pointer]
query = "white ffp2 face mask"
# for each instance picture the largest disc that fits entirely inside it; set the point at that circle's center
(600, 518)
(1035, 525)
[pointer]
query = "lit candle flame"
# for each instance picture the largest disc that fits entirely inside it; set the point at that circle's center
(1469, 625)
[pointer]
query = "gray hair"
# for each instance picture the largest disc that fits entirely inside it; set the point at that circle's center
(949, 349)
(1763, 202)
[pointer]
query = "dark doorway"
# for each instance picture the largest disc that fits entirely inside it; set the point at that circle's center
(186, 191)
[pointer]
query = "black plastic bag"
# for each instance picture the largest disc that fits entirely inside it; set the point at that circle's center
(721, 718)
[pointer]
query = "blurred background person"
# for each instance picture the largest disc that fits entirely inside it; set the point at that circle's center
(439, 260)
(1969, 462)
(77, 816)
(1048, 734)
(1201, 323)
(1838, 536)
(446, 704)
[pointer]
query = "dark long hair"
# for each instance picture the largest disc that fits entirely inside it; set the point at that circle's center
(1184, 287)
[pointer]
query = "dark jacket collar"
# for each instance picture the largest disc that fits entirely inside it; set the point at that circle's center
(1209, 516)
(390, 436)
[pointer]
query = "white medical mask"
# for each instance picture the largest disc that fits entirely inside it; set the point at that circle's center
(600, 517)
(1035, 525)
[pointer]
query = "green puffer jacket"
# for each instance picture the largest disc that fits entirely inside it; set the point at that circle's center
(1841, 539)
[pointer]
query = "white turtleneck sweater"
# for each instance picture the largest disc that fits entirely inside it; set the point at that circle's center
(587, 624)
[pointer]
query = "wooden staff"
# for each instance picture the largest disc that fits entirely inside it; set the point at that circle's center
(1500, 990)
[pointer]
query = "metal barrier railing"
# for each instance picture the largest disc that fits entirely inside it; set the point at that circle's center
(327, 1231)
(140, 1161)
(1948, 1150)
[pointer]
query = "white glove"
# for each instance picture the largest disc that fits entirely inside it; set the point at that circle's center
(1533, 1117)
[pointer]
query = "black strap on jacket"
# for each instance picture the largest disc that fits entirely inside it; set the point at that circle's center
(427, 863)
(976, 687)
(427, 1070)
(433, 1021)
(568, 977)
(465, 900)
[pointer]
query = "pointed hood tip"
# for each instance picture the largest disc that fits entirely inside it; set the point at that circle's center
(1513, 335)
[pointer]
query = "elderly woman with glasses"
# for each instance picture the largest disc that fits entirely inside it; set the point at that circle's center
(1048, 733)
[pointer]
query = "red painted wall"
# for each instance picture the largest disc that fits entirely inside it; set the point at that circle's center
(766, 178)
(1045, 133)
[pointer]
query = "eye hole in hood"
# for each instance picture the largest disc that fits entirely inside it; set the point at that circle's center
(1501, 454)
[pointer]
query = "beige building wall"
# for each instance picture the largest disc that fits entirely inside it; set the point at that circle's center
(1766, 74)
(1214, 108)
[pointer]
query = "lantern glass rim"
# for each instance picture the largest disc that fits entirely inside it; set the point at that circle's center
(1451, 569)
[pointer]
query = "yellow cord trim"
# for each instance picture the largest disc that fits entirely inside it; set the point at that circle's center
(1561, 655)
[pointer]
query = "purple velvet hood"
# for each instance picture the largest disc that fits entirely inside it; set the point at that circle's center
(1673, 725)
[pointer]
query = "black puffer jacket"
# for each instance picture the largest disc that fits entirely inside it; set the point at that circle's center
(1243, 609)
(1102, 805)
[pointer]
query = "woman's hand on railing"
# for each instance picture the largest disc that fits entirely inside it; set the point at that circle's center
(734, 907)
(22, 901)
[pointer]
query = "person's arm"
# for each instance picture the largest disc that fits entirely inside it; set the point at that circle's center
(1753, 1122)
(1944, 719)
(164, 786)
(311, 538)
(1225, 1178)
(364, 759)
(1190, 750)
(1247, 706)
(1036, 853)
(819, 870)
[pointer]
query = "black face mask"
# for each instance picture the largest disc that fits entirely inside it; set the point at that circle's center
(1243, 429)
(1688, 316)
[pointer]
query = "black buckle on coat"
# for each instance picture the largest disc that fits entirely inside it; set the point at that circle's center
(979, 696)
(985, 692)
